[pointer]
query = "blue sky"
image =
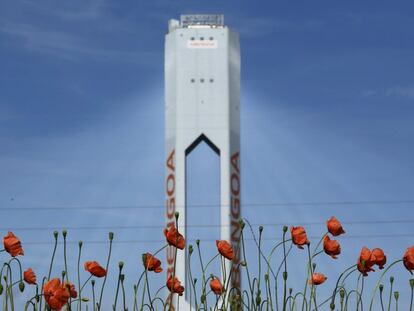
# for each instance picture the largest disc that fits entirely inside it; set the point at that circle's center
(326, 119)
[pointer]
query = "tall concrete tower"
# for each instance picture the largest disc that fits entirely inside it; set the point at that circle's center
(202, 103)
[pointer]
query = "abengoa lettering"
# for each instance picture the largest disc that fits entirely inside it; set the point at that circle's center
(235, 217)
(170, 207)
(170, 211)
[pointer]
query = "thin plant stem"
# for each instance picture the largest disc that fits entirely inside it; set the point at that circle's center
(379, 281)
(107, 265)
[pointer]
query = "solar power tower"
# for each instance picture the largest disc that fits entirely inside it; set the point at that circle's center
(202, 104)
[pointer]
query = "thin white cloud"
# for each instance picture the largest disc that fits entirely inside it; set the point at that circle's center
(401, 91)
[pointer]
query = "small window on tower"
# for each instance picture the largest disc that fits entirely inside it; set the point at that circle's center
(211, 38)
(202, 80)
(211, 80)
(192, 80)
(201, 38)
(192, 38)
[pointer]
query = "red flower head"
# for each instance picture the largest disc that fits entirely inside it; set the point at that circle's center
(56, 294)
(299, 237)
(216, 286)
(317, 279)
(174, 238)
(380, 258)
(174, 285)
(29, 276)
(366, 261)
(408, 259)
(334, 226)
(152, 263)
(95, 269)
(12, 245)
(331, 247)
(225, 249)
(71, 288)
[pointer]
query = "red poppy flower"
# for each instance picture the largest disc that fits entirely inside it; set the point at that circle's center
(408, 259)
(299, 236)
(216, 286)
(71, 288)
(225, 249)
(174, 238)
(152, 263)
(95, 269)
(12, 245)
(365, 261)
(29, 276)
(174, 285)
(56, 294)
(380, 258)
(331, 247)
(334, 226)
(317, 279)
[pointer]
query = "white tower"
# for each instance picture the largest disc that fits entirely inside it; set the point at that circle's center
(202, 103)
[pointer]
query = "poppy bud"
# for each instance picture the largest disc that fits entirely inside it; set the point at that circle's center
(93, 282)
(55, 234)
(290, 291)
(190, 249)
(266, 276)
(80, 243)
(198, 242)
(122, 277)
(285, 275)
(314, 266)
(242, 224)
(203, 298)
(342, 293)
(285, 229)
(396, 295)
(21, 286)
(391, 279)
(381, 287)
(412, 283)
(120, 265)
(176, 214)
(258, 300)
(84, 299)
(63, 274)
(332, 305)
(260, 229)
(195, 281)
(64, 233)
(111, 236)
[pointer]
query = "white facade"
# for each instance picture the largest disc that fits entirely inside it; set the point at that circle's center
(202, 103)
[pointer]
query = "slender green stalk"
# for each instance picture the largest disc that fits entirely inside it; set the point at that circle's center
(55, 234)
(79, 281)
(412, 293)
(111, 237)
(93, 294)
(285, 272)
(380, 279)
(120, 276)
(390, 295)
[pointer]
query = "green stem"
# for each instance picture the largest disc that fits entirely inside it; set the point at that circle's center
(379, 281)
(284, 272)
(79, 281)
(107, 265)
